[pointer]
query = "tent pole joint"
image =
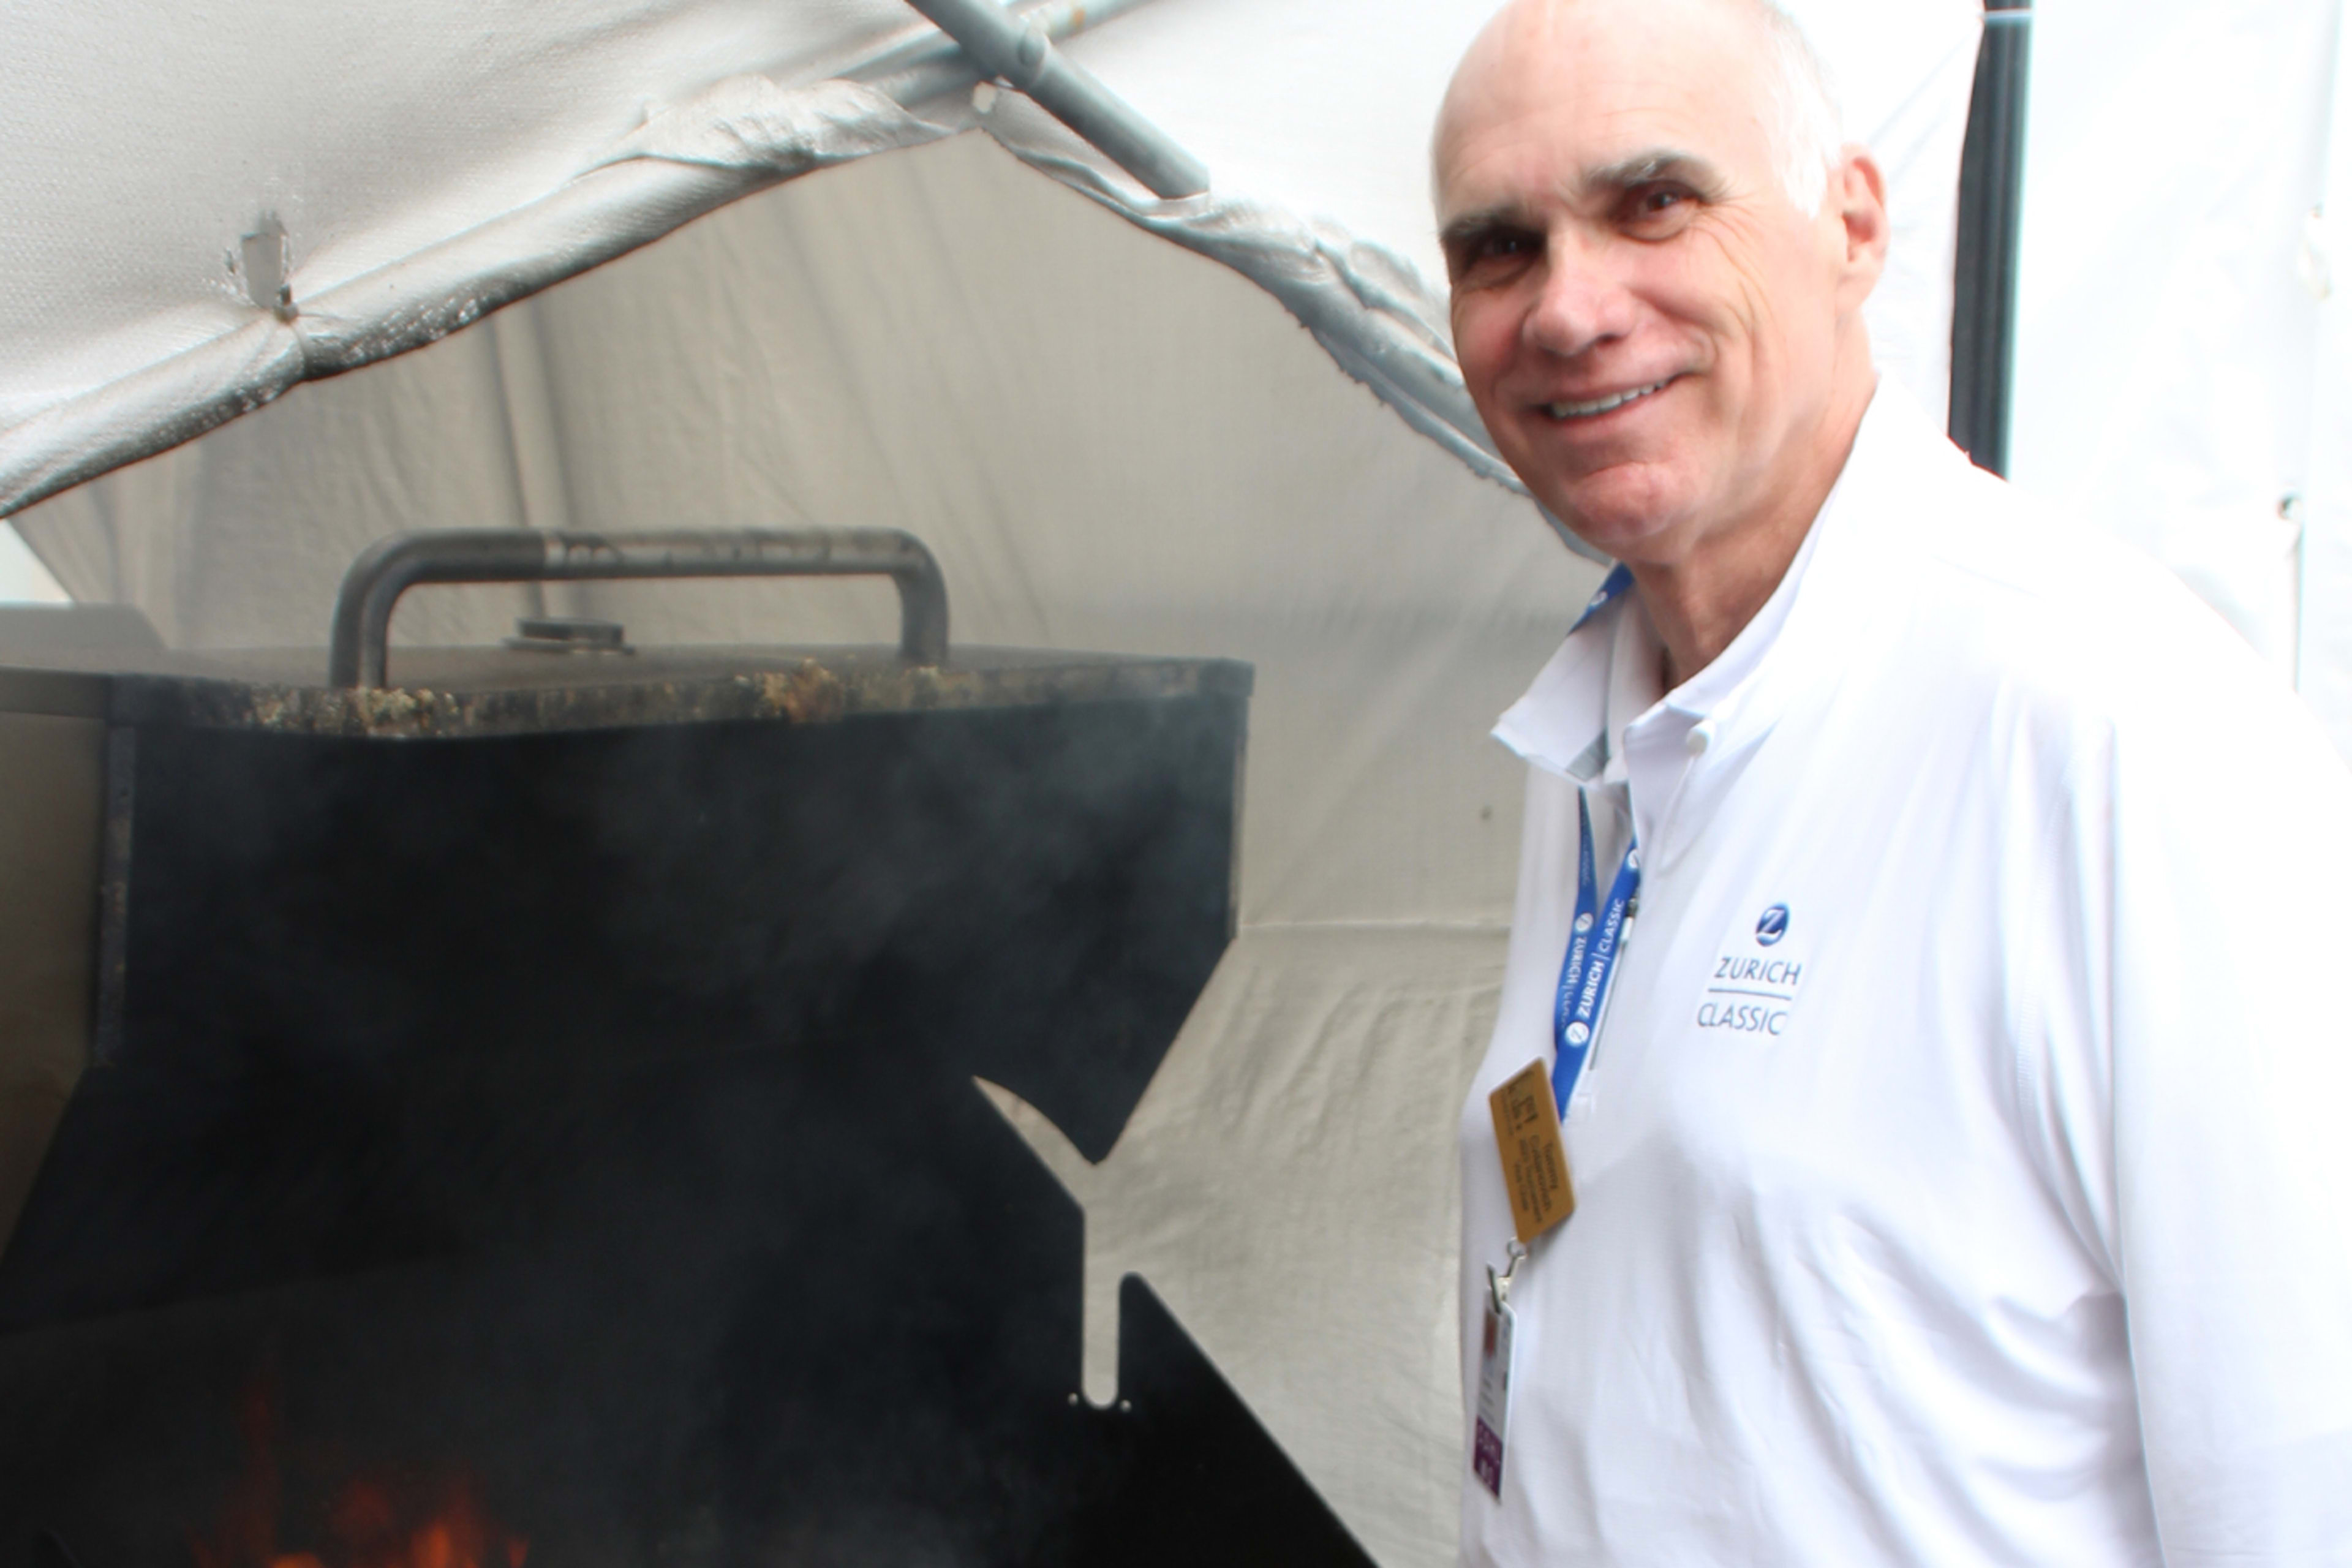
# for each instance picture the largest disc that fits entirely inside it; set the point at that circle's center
(1018, 51)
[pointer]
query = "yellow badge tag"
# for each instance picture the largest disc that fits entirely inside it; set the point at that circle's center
(1535, 1166)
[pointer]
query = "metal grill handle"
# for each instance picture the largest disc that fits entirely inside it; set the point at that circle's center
(391, 566)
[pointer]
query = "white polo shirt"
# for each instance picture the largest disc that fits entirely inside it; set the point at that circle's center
(1993, 1202)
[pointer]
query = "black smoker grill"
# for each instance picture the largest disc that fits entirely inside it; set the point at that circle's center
(559, 1067)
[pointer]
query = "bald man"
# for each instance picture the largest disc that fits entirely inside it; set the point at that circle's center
(1912, 1131)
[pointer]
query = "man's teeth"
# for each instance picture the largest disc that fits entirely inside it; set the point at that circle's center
(1602, 404)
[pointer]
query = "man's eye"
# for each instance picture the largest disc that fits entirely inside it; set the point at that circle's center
(1491, 254)
(1656, 211)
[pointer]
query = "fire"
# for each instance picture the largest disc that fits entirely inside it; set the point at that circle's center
(371, 1521)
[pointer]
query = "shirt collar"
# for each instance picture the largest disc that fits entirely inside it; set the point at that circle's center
(1558, 723)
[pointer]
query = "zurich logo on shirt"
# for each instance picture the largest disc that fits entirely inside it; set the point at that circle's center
(1772, 925)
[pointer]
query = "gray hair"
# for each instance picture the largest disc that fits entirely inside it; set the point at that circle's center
(1810, 136)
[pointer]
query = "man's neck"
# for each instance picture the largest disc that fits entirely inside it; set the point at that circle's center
(1702, 599)
(1700, 603)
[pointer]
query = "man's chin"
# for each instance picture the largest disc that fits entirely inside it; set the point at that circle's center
(1627, 523)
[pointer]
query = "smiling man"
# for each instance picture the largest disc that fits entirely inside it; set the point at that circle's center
(1910, 1134)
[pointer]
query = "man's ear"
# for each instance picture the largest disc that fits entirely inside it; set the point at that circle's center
(1860, 193)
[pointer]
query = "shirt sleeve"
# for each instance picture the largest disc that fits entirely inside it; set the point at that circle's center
(2197, 1082)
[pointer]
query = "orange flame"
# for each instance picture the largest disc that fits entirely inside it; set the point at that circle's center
(371, 1522)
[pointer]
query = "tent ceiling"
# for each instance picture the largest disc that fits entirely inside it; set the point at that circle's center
(378, 135)
(142, 141)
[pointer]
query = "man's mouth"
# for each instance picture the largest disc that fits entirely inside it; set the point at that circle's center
(1603, 404)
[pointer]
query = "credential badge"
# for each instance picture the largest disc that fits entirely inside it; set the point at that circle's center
(1772, 925)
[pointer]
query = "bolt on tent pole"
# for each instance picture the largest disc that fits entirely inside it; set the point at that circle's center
(1984, 274)
(935, 65)
(1018, 50)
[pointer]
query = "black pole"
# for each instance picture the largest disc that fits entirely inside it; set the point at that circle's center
(1984, 280)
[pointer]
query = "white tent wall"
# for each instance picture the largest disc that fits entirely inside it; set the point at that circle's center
(1112, 444)
(2166, 334)
(2325, 667)
(23, 579)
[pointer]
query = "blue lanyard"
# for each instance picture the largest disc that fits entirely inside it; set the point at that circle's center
(1619, 578)
(1599, 934)
(1594, 945)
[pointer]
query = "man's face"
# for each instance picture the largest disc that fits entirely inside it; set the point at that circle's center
(1648, 325)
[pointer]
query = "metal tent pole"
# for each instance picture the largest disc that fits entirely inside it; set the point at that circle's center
(1018, 50)
(1984, 278)
(934, 65)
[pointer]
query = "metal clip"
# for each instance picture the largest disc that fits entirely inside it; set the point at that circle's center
(1498, 1286)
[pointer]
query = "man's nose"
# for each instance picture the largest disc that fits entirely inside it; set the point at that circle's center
(1581, 305)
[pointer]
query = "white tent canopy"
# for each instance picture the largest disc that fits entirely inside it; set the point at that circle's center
(335, 219)
(1109, 443)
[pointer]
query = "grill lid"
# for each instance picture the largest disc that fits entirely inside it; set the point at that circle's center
(355, 688)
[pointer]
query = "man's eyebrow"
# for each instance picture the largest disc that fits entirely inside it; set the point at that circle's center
(1655, 164)
(1647, 167)
(1470, 226)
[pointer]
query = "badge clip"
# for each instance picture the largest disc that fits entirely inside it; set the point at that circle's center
(1498, 1286)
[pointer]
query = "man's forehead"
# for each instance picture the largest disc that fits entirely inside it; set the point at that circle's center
(1526, 30)
(1588, 89)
